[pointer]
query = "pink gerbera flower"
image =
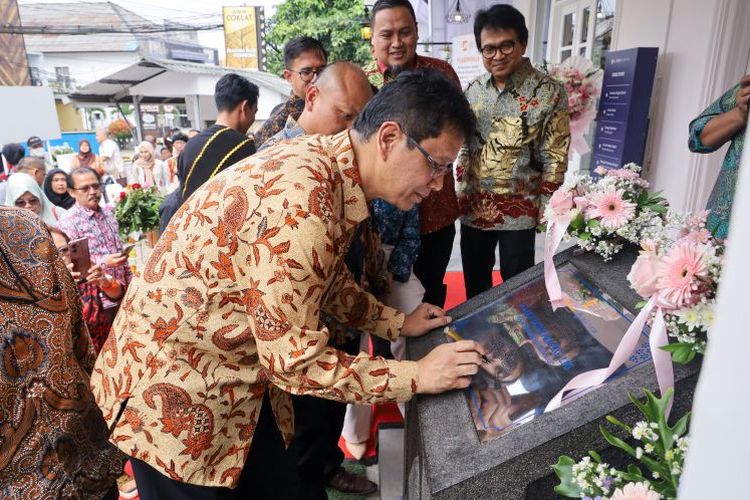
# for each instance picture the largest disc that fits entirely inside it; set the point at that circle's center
(635, 491)
(680, 272)
(611, 209)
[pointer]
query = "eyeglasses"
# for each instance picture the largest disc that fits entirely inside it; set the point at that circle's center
(436, 169)
(308, 74)
(90, 187)
(506, 48)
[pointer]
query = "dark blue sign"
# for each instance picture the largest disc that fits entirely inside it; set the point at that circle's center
(622, 121)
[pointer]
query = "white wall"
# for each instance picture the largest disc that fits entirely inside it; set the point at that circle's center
(703, 46)
(87, 67)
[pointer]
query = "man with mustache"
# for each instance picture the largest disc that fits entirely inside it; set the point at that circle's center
(518, 156)
(394, 46)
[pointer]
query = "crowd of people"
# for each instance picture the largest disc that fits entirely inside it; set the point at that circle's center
(291, 265)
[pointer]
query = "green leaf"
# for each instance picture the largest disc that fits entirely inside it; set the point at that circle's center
(615, 441)
(682, 352)
(613, 420)
(584, 236)
(595, 456)
(594, 223)
(564, 470)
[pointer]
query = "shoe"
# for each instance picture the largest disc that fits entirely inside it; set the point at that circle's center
(357, 450)
(354, 484)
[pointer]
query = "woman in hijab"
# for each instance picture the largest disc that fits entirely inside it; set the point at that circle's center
(56, 189)
(24, 192)
(147, 170)
(86, 157)
(54, 438)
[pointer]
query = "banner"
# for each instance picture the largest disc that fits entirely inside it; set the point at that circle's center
(243, 37)
(466, 59)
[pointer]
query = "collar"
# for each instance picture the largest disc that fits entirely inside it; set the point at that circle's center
(382, 67)
(355, 204)
(87, 211)
(290, 123)
(515, 80)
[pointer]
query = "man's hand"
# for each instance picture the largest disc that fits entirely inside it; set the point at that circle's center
(448, 366)
(114, 260)
(76, 275)
(424, 318)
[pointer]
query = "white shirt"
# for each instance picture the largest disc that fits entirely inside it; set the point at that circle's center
(109, 152)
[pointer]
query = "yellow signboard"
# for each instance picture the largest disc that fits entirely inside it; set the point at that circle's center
(241, 37)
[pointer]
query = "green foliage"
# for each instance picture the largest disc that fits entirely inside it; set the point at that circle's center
(138, 211)
(336, 23)
(657, 446)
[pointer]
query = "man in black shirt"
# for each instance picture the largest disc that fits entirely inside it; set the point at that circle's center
(217, 147)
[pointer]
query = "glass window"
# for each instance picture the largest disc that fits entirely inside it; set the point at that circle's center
(565, 54)
(605, 17)
(585, 24)
(569, 25)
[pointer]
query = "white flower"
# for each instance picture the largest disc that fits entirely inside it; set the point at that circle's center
(690, 317)
(656, 475)
(638, 453)
(639, 429)
(649, 448)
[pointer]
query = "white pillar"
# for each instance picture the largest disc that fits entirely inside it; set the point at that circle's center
(717, 458)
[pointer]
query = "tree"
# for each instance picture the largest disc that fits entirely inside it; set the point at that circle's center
(336, 23)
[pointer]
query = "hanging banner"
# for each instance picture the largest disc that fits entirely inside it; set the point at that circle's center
(243, 37)
(466, 59)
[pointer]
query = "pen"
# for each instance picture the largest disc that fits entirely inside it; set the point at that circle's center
(453, 334)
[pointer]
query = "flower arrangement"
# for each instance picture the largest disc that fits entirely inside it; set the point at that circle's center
(679, 266)
(602, 214)
(120, 129)
(582, 82)
(137, 211)
(653, 443)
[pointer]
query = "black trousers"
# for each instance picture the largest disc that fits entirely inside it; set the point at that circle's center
(269, 472)
(317, 428)
(434, 255)
(478, 249)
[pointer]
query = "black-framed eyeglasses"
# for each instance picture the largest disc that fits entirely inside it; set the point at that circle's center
(308, 74)
(436, 169)
(506, 48)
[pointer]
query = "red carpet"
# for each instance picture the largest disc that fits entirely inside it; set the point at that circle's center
(388, 412)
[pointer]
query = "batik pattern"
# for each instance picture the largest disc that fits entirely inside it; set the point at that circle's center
(519, 153)
(228, 306)
(53, 439)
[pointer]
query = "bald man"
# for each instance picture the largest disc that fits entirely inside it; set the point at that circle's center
(332, 102)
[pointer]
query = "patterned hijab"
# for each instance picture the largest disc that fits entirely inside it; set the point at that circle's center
(51, 419)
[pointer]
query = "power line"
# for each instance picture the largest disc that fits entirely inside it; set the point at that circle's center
(93, 30)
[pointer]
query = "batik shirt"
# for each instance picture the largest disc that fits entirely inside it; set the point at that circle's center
(228, 307)
(396, 227)
(440, 208)
(54, 439)
(102, 231)
(292, 107)
(519, 153)
(720, 201)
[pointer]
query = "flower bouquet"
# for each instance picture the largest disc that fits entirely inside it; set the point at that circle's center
(582, 82)
(678, 270)
(653, 443)
(604, 213)
(138, 210)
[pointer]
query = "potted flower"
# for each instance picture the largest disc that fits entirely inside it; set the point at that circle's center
(121, 131)
(137, 212)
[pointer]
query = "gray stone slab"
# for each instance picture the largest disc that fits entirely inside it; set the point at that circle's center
(446, 460)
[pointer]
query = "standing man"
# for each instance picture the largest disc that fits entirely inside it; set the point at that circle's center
(225, 320)
(394, 45)
(518, 156)
(304, 58)
(217, 147)
(86, 219)
(109, 152)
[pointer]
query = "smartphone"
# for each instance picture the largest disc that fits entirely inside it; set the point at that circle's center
(79, 255)
(126, 251)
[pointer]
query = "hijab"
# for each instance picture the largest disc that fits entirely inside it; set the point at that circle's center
(18, 184)
(61, 200)
(146, 164)
(86, 159)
